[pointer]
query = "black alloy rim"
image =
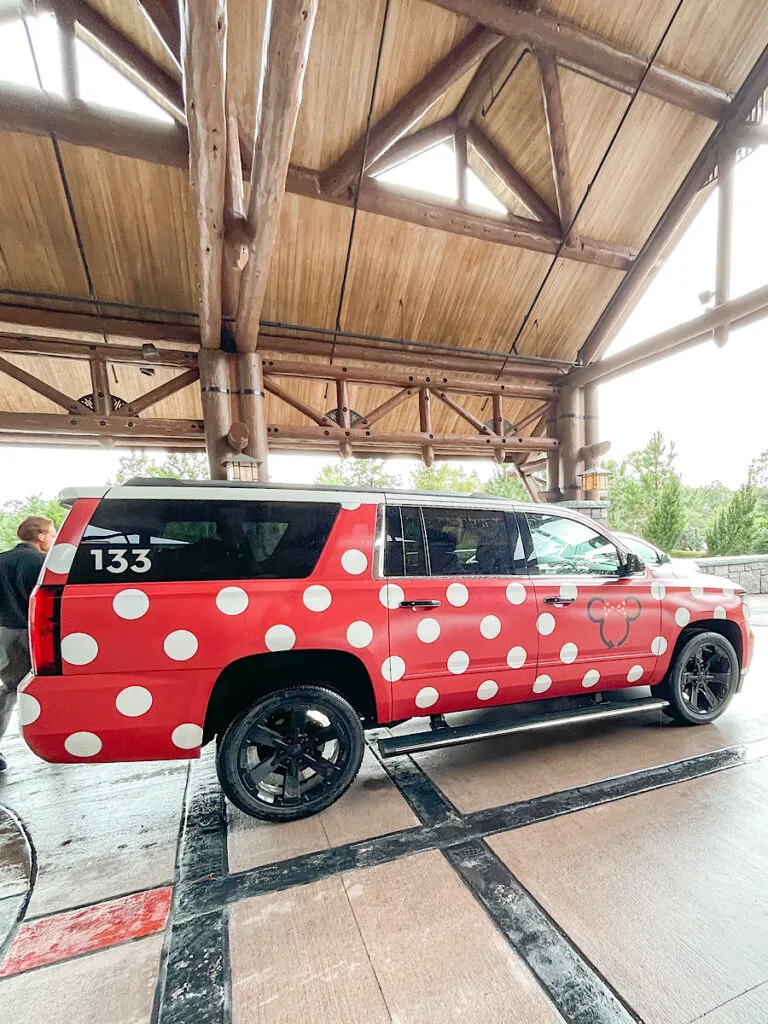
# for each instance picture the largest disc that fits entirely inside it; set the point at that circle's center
(706, 679)
(294, 755)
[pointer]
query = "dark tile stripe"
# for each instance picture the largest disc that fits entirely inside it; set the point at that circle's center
(579, 993)
(429, 804)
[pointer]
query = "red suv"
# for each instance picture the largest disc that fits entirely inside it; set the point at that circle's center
(283, 621)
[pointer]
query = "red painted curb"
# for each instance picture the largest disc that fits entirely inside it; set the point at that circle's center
(72, 933)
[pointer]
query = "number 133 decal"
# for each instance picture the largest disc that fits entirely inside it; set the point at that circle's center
(140, 561)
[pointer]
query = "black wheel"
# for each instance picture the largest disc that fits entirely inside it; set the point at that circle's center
(701, 680)
(291, 753)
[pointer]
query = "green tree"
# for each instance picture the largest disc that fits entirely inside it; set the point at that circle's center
(734, 530)
(701, 506)
(758, 477)
(444, 477)
(667, 520)
(12, 513)
(505, 483)
(182, 465)
(357, 473)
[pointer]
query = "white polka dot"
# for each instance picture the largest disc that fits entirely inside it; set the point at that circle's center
(359, 634)
(130, 604)
(545, 623)
(279, 638)
(187, 736)
(658, 645)
(457, 594)
(82, 744)
(29, 709)
(515, 593)
(568, 653)
(542, 683)
(393, 668)
(317, 598)
(180, 645)
(729, 591)
(719, 612)
(79, 649)
(658, 590)
(428, 630)
(590, 678)
(426, 697)
(490, 627)
(697, 591)
(351, 506)
(354, 562)
(569, 591)
(133, 701)
(516, 657)
(60, 558)
(487, 689)
(232, 600)
(458, 662)
(682, 616)
(635, 673)
(391, 595)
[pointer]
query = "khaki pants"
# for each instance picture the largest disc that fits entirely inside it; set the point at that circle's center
(14, 665)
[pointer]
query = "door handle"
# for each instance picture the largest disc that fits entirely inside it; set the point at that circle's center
(559, 602)
(419, 604)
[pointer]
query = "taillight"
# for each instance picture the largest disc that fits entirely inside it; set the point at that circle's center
(44, 630)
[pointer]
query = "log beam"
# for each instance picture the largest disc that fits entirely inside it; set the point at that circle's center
(163, 16)
(66, 25)
(407, 111)
(725, 167)
(161, 392)
(217, 409)
(410, 146)
(102, 396)
(250, 401)
(40, 386)
(558, 145)
(425, 424)
(27, 110)
(204, 49)
(738, 312)
(287, 35)
(569, 42)
(488, 78)
(739, 109)
(386, 407)
(317, 417)
(511, 177)
(465, 414)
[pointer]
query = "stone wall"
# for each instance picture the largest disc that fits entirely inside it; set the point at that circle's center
(748, 571)
(597, 510)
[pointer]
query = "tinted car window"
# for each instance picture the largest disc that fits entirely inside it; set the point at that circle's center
(404, 554)
(163, 541)
(467, 542)
(566, 547)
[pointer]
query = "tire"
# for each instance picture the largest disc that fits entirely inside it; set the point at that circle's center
(701, 680)
(290, 754)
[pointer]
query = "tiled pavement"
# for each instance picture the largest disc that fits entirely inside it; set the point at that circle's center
(454, 886)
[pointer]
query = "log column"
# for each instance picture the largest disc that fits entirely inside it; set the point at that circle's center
(570, 431)
(725, 166)
(553, 458)
(591, 429)
(217, 412)
(250, 397)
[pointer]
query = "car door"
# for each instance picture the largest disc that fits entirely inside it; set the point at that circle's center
(597, 629)
(462, 613)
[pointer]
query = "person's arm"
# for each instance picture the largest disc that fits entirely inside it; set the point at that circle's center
(29, 575)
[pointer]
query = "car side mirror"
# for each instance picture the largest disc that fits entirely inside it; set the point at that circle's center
(632, 564)
(664, 559)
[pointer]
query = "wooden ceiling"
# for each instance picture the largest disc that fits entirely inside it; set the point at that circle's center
(87, 224)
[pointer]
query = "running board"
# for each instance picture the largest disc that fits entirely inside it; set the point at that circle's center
(452, 736)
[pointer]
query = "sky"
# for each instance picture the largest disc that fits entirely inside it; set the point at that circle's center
(709, 401)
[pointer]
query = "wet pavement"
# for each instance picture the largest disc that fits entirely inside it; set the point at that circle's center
(600, 875)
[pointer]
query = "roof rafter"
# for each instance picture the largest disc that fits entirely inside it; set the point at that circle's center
(485, 80)
(569, 42)
(408, 110)
(163, 16)
(510, 176)
(558, 144)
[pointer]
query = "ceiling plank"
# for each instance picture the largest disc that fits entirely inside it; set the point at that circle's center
(569, 42)
(284, 60)
(407, 111)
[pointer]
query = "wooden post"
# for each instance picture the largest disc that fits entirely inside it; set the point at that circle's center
(460, 144)
(425, 425)
(343, 417)
(570, 430)
(558, 146)
(217, 412)
(725, 164)
(102, 398)
(235, 254)
(553, 457)
(591, 428)
(287, 34)
(250, 395)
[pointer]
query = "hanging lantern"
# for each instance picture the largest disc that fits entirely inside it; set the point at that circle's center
(594, 479)
(242, 467)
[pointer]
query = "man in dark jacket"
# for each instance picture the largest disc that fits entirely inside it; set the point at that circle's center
(19, 570)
